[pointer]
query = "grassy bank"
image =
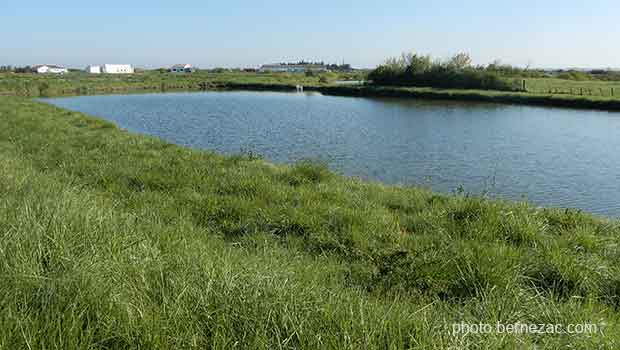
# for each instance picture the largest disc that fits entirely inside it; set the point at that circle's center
(605, 103)
(111, 240)
(599, 95)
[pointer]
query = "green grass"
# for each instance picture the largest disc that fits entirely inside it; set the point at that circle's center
(593, 88)
(110, 240)
(76, 83)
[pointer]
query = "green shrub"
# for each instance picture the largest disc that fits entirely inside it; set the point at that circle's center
(421, 71)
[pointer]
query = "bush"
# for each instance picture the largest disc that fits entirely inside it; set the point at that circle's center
(44, 89)
(575, 75)
(422, 71)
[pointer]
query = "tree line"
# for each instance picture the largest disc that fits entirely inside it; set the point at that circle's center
(26, 69)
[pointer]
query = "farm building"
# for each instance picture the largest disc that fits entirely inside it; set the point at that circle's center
(50, 68)
(117, 69)
(181, 68)
(93, 69)
(292, 68)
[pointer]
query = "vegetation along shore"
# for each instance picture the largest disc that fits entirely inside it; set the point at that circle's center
(112, 240)
(411, 76)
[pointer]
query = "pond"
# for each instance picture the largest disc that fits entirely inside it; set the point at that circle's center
(548, 156)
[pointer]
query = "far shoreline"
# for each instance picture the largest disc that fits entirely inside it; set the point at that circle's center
(369, 91)
(75, 84)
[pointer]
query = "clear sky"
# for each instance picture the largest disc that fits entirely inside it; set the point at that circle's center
(232, 33)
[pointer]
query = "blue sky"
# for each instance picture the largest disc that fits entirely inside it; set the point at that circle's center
(235, 33)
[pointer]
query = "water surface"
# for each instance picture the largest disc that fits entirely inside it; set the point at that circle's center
(549, 156)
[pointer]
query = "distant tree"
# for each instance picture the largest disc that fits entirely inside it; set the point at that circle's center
(26, 69)
(510, 71)
(416, 64)
(460, 61)
(339, 67)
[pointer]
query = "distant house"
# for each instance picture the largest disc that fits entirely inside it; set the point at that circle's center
(292, 68)
(50, 68)
(117, 69)
(93, 69)
(181, 68)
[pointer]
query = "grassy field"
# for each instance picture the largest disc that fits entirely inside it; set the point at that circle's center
(111, 240)
(76, 83)
(609, 89)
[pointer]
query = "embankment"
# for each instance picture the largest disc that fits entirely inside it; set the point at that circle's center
(522, 98)
(111, 240)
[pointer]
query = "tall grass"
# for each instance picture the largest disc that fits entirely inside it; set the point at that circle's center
(111, 241)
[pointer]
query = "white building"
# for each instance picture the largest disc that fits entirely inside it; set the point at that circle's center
(50, 68)
(117, 69)
(93, 69)
(181, 68)
(292, 68)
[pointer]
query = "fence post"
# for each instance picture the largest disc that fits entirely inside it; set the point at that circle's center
(524, 87)
(612, 91)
